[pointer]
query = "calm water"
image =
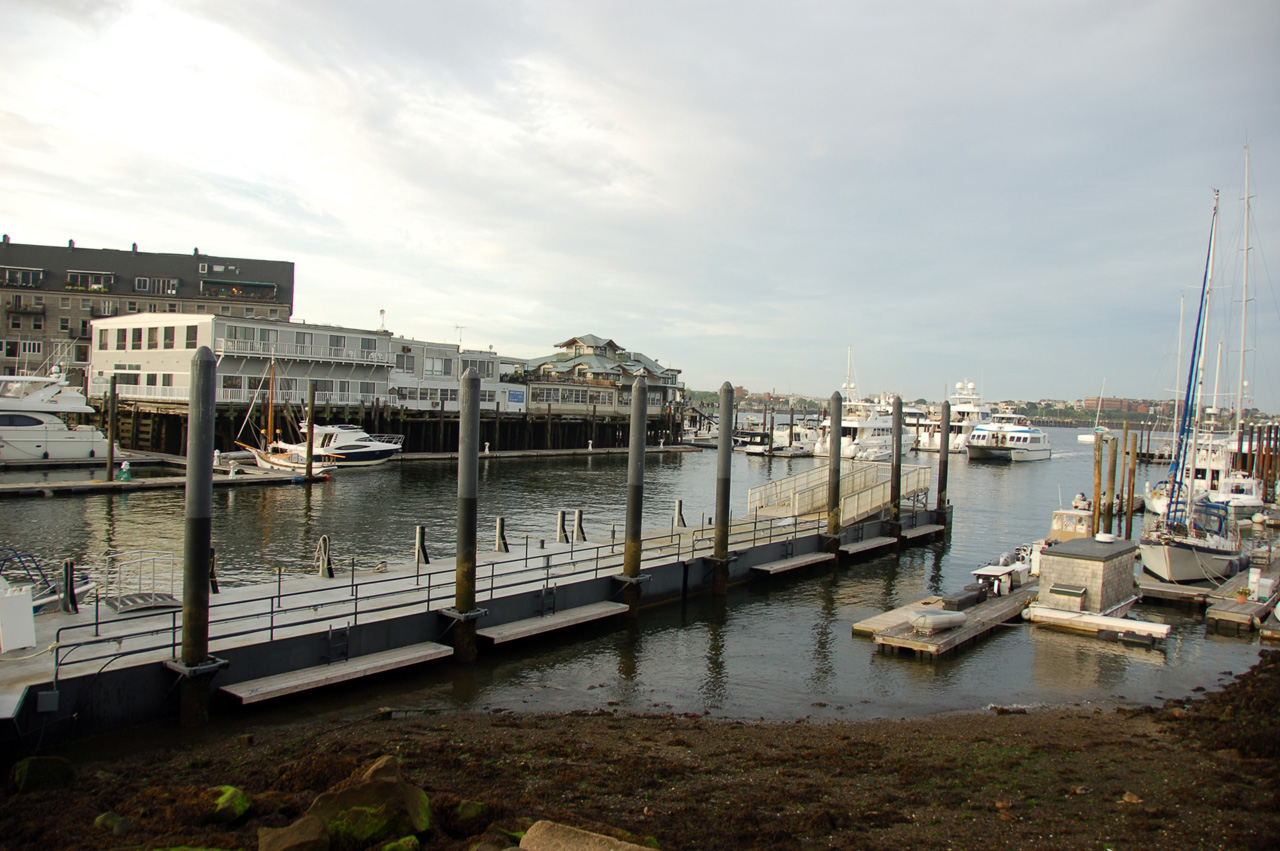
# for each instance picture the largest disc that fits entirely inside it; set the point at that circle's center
(775, 649)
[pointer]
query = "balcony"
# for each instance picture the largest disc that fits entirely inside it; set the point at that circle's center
(24, 310)
(289, 351)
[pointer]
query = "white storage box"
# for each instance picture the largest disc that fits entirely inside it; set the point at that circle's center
(17, 620)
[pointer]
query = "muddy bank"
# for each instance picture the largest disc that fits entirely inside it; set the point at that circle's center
(1194, 775)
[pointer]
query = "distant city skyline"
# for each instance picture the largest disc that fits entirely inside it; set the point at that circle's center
(1014, 194)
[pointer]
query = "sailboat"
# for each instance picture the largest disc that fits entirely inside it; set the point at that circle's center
(291, 459)
(1193, 539)
(1099, 430)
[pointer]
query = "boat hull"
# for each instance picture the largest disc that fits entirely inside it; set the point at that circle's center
(1004, 453)
(52, 444)
(1181, 560)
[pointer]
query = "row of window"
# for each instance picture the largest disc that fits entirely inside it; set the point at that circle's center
(151, 379)
(108, 307)
(26, 349)
(284, 385)
(586, 396)
(157, 337)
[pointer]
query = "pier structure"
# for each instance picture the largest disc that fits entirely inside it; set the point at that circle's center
(112, 663)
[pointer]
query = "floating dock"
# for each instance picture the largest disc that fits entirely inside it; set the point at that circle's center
(893, 633)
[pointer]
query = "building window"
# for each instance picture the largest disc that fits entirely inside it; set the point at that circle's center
(82, 353)
(225, 310)
(204, 268)
(248, 311)
(153, 338)
(367, 344)
(15, 321)
(121, 335)
(23, 277)
(142, 285)
(191, 336)
(344, 387)
(86, 304)
(151, 307)
(131, 306)
(135, 341)
(367, 388)
(64, 302)
(37, 300)
(32, 347)
(168, 336)
(404, 362)
(164, 286)
(232, 382)
(37, 323)
(173, 308)
(483, 368)
(151, 379)
(199, 308)
(64, 324)
(166, 379)
(273, 313)
(102, 339)
(337, 341)
(128, 379)
(302, 338)
(488, 396)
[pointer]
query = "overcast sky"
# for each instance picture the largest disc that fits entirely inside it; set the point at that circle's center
(1012, 193)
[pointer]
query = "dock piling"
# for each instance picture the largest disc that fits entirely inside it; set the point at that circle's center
(194, 698)
(944, 455)
(724, 466)
(464, 639)
(895, 486)
(631, 548)
(833, 466)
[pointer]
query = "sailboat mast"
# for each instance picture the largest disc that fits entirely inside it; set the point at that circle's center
(1204, 338)
(1244, 299)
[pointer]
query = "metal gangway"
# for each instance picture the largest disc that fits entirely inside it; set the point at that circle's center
(866, 489)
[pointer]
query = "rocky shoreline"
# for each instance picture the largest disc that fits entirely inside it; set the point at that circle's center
(1188, 775)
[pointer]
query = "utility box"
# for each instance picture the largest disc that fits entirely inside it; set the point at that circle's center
(1087, 575)
(17, 620)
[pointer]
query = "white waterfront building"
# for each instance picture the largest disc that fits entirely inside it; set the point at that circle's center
(150, 357)
(149, 354)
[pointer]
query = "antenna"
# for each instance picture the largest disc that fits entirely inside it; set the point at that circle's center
(382, 320)
(459, 329)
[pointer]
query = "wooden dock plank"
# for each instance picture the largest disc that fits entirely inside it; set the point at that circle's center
(546, 623)
(793, 563)
(264, 688)
(921, 531)
(866, 545)
(1154, 589)
(983, 618)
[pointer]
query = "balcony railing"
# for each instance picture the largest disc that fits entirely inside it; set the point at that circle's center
(223, 346)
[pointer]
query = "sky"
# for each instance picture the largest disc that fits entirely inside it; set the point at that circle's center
(1009, 193)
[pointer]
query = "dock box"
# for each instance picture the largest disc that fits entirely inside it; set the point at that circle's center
(960, 602)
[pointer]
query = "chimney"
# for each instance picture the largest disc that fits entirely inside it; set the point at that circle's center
(196, 252)
(135, 248)
(71, 243)
(6, 239)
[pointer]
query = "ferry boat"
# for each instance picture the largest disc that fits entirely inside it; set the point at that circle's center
(1009, 437)
(31, 428)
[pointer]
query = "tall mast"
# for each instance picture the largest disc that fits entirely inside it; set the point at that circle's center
(1204, 337)
(1244, 299)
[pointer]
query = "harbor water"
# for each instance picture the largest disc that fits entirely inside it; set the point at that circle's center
(775, 649)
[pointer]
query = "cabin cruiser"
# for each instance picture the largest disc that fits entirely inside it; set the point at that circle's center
(31, 428)
(967, 413)
(866, 434)
(1009, 437)
(342, 445)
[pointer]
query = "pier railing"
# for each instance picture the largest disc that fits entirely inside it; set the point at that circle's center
(312, 604)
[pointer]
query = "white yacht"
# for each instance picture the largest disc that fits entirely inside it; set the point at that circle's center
(343, 445)
(866, 434)
(1009, 437)
(967, 413)
(31, 428)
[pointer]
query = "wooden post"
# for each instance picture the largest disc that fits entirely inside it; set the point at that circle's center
(1097, 485)
(1133, 473)
(111, 432)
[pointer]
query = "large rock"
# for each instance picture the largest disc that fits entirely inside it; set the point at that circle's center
(41, 773)
(306, 834)
(379, 807)
(552, 836)
(229, 804)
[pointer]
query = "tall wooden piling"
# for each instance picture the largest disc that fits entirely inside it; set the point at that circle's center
(1097, 484)
(834, 519)
(311, 427)
(464, 640)
(112, 436)
(944, 454)
(1133, 475)
(724, 466)
(194, 697)
(1109, 498)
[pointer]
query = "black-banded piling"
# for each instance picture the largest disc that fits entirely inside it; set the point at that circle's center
(833, 466)
(724, 466)
(464, 640)
(194, 697)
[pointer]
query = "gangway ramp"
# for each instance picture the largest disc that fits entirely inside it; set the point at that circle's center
(865, 490)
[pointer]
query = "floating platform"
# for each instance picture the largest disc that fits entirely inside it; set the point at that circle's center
(551, 621)
(783, 565)
(291, 682)
(982, 619)
(1227, 615)
(1095, 624)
